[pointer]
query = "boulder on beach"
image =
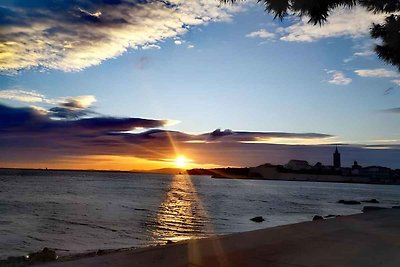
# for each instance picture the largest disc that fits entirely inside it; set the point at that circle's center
(100, 252)
(317, 218)
(257, 219)
(349, 202)
(43, 256)
(36, 257)
(371, 201)
(372, 208)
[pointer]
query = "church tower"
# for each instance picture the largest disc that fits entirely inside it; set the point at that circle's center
(336, 159)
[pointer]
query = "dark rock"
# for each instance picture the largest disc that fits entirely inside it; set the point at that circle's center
(371, 201)
(257, 219)
(14, 261)
(372, 208)
(100, 252)
(396, 207)
(317, 218)
(45, 255)
(90, 254)
(349, 202)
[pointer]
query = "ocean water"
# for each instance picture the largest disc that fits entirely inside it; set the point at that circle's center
(77, 212)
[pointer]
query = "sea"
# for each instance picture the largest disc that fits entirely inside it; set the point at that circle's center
(77, 212)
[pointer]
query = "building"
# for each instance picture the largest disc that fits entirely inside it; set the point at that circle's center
(264, 171)
(355, 169)
(376, 172)
(297, 165)
(336, 159)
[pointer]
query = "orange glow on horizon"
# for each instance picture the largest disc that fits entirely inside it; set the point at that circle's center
(111, 162)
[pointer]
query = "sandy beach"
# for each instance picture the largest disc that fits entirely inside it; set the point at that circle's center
(368, 239)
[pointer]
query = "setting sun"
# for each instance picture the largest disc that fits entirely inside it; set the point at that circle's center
(181, 161)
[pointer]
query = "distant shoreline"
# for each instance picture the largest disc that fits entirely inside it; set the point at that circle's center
(65, 170)
(290, 177)
(298, 180)
(75, 170)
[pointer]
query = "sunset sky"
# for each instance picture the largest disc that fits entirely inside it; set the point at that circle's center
(119, 84)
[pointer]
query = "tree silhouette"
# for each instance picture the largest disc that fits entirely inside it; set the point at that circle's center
(319, 10)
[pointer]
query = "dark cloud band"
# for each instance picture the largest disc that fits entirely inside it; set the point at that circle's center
(28, 135)
(26, 130)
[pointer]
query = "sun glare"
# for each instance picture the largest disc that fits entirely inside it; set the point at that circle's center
(181, 161)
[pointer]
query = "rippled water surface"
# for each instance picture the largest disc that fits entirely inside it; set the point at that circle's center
(77, 212)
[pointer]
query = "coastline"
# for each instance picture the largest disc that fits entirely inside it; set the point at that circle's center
(366, 239)
(269, 176)
(305, 178)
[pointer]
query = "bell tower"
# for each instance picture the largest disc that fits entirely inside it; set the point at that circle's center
(336, 159)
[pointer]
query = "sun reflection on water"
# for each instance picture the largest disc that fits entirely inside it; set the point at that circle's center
(181, 215)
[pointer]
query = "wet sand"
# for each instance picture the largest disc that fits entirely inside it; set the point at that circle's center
(369, 239)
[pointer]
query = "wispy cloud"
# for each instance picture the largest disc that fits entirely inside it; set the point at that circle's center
(29, 96)
(338, 78)
(377, 73)
(341, 23)
(396, 82)
(150, 46)
(262, 33)
(366, 53)
(73, 35)
(71, 107)
(392, 110)
(78, 102)
(23, 96)
(363, 51)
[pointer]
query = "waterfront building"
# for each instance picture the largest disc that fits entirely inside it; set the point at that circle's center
(297, 165)
(376, 172)
(355, 169)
